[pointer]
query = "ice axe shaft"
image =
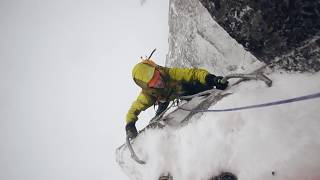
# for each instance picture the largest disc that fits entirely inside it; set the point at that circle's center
(151, 54)
(258, 76)
(133, 154)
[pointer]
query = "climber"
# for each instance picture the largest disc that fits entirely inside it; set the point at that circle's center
(160, 85)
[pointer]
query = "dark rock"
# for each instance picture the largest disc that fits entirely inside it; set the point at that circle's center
(224, 176)
(273, 30)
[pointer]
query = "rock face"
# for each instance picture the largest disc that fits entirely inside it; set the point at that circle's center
(196, 40)
(285, 31)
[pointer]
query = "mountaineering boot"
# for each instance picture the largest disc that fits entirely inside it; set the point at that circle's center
(131, 130)
(225, 176)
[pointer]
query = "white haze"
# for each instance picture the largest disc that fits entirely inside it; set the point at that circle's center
(65, 73)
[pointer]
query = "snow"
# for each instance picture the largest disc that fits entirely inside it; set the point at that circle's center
(278, 142)
(251, 143)
(196, 40)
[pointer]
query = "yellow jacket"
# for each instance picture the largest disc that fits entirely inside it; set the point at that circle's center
(173, 77)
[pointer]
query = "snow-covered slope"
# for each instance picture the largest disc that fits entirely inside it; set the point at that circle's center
(279, 142)
(253, 144)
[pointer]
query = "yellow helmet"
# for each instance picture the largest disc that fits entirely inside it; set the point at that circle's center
(143, 72)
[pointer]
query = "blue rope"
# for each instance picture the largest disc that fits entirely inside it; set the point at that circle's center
(286, 101)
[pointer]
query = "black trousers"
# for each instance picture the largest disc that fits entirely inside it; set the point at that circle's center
(189, 88)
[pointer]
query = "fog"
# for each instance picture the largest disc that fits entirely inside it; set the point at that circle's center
(65, 73)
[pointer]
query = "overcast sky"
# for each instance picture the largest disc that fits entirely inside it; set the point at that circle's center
(65, 73)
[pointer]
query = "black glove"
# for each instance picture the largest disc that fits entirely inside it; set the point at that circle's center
(131, 130)
(213, 80)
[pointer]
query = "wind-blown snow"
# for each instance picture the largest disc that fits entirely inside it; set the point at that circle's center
(252, 144)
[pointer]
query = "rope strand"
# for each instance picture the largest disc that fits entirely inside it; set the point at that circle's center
(286, 101)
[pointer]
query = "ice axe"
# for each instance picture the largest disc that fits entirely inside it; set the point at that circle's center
(255, 76)
(133, 154)
(150, 54)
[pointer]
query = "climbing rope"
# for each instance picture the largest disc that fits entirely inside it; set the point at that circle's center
(286, 101)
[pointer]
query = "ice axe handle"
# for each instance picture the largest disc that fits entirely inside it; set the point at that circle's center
(248, 76)
(133, 154)
(151, 53)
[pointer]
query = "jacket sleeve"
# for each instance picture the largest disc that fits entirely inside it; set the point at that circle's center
(143, 102)
(188, 74)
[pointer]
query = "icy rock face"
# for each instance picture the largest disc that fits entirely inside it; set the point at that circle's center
(196, 40)
(284, 31)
